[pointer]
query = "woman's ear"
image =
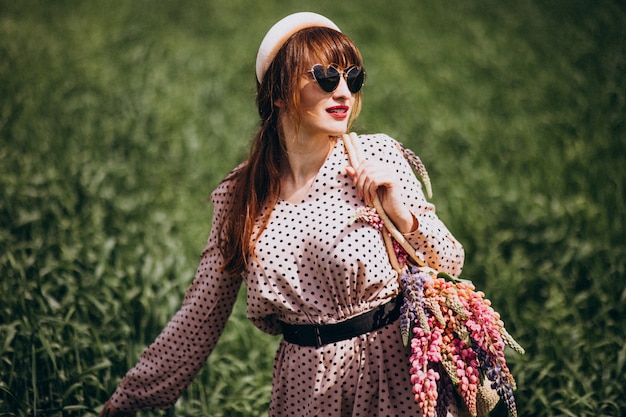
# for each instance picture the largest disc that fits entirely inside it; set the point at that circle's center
(280, 103)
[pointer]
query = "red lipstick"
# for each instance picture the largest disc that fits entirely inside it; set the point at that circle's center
(339, 112)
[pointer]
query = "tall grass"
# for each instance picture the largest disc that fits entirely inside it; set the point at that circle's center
(118, 118)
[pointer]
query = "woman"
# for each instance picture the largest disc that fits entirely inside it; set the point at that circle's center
(284, 223)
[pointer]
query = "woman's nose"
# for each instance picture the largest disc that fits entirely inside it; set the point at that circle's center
(342, 89)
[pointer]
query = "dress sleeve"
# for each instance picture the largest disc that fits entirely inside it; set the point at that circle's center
(432, 240)
(171, 362)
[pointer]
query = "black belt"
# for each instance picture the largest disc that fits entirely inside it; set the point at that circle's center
(320, 335)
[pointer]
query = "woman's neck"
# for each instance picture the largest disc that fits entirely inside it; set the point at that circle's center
(305, 156)
(303, 160)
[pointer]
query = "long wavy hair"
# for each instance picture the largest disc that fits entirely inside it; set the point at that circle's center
(256, 182)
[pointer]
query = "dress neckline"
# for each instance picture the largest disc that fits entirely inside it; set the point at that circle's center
(311, 191)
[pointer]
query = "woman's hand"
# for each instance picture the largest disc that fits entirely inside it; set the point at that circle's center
(375, 178)
(109, 411)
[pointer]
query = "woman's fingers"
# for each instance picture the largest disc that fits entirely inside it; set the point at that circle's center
(110, 411)
(371, 178)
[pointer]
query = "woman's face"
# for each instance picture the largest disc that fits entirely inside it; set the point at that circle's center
(322, 112)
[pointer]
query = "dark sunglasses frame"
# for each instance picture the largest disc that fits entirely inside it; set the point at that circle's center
(328, 77)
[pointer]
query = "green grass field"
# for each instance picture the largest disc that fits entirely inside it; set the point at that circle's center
(118, 118)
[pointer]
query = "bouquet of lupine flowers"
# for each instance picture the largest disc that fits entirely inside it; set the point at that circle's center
(457, 339)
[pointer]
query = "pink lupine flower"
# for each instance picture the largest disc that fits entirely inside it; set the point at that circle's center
(424, 346)
(368, 215)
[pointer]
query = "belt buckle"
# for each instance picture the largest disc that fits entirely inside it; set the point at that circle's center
(318, 336)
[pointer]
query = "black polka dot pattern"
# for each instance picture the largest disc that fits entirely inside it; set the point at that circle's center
(312, 264)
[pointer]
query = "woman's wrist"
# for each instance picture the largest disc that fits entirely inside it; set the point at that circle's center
(110, 411)
(406, 223)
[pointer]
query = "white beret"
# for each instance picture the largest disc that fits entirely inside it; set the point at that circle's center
(281, 31)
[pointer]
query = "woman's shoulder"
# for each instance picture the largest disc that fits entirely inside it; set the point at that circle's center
(388, 149)
(382, 138)
(225, 188)
(379, 144)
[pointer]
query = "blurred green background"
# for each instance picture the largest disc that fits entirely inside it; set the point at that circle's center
(118, 118)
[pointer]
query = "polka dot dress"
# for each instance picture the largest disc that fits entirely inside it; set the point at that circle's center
(313, 264)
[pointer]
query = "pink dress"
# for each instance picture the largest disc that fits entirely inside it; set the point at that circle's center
(313, 264)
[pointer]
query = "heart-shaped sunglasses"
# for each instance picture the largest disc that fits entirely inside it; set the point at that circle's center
(328, 77)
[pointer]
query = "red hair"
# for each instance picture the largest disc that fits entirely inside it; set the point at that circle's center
(256, 183)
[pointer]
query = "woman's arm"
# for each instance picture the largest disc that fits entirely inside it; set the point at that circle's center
(403, 197)
(171, 362)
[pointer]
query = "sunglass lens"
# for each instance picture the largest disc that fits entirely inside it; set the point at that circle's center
(355, 78)
(327, 78)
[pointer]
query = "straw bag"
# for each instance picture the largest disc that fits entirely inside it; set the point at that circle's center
(457, 340)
